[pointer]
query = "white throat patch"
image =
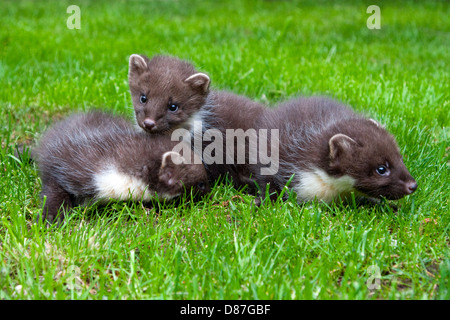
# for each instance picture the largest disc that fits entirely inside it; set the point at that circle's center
(317, 184)
(195, 119)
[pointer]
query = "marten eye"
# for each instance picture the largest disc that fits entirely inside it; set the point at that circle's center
(143, 98)
(173, 107)
(382, 171)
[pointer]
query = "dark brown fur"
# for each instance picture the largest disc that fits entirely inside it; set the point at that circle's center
(75, 150)
(162, 80)
(306, 126)
(359, 147)
(230, 111)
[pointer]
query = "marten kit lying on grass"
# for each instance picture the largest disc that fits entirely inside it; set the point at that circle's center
(97, 157)
(332, 151)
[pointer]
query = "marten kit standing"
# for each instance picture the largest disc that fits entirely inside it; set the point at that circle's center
(97, 157)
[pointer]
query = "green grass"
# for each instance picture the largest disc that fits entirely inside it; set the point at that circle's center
(221, 249)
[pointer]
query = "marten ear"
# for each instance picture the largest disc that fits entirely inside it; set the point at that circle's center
(171, 158)
(199, 81)
(340, 144)
(167, 172)
(137, 64)
(377, 123)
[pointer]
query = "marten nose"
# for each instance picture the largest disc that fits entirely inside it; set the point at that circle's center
(149, 124)
(411, 186)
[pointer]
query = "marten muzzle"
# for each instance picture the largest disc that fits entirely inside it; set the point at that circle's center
(410, 186)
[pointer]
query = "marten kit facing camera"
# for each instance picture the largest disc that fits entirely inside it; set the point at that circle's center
(169, 94)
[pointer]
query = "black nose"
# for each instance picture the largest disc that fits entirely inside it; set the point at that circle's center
(149, 124)
(411, 186)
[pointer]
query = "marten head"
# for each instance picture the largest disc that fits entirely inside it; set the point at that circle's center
(177, 176)
(166, 92)
(366, 152)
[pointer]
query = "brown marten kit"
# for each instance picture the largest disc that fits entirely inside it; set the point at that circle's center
(332, 151)
(97, 157)
(169, 94)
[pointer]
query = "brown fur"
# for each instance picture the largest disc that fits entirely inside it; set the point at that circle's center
(73, 152)
(314, 132)
(324, 134)
(163, 81)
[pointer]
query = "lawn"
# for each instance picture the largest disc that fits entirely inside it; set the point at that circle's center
(222, 248)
